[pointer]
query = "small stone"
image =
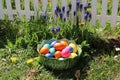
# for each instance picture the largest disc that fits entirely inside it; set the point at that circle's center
(117, 49)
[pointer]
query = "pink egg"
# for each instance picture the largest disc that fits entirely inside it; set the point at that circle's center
(65, 53)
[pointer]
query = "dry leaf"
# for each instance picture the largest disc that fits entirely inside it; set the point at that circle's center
(77, 74)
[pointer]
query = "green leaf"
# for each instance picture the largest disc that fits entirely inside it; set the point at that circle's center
(10, 44)
(84, 43)
(79, 49)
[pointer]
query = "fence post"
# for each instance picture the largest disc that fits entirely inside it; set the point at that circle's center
(54, 5)
(9, 9)
(45, 4)
(36, 11)
(64, 3)
(18, 9)
(114, 13)
(103, 12)
(94, 12)
(73, 10)
(1, 11)
(27, 9)
(84, 2)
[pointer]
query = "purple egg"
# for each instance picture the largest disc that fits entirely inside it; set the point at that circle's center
(48, 55)
(65, 53)
(52, 44)
(70, 48)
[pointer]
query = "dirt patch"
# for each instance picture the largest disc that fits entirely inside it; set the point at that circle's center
(31, 73)
(117, 77)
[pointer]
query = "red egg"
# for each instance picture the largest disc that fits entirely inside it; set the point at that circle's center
(57, 54)
(64, 42)
(44, 50)
(59, 46)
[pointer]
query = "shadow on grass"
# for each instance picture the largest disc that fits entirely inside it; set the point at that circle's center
(67, 74)
(105, 47)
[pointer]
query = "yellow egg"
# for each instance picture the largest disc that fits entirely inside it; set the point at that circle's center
(74, 47)
(72, 55)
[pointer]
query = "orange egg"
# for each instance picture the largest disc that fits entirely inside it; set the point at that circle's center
(44, 50)
(57, 54)
(59, 46)
(65, 43)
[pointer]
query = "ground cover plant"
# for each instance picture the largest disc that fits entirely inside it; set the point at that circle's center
(19, 59)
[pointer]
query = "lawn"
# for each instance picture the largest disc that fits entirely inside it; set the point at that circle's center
(100, 67)
(19, 59)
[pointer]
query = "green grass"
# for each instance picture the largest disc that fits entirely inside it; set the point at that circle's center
(104, 67)
(98, 67)
(19, 39)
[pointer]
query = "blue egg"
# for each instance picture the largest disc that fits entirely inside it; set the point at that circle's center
(47, 45)
(70, 48)
(52, 44)
(61, 59)
(52, 50)
(48, 55)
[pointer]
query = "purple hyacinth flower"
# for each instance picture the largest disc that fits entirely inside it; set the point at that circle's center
(85, 8)
(85, 17)
(70, 6)
(64, 19)
(44, 16)
(74, 13)
(61, 15)
(52, 29)
(63, 8)
(90, 15)
(78, 3)
(89, 4)
(68, 13)
(58, 29)
(87, 13)
(81, 6)
(56, 12)
(57, 9)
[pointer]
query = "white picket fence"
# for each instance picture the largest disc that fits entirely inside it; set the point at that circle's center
(103, 17)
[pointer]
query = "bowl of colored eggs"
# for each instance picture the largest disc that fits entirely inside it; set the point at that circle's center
(59, 54)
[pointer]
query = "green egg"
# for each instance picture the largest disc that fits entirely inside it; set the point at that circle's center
(47, 45)
(52, 50)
